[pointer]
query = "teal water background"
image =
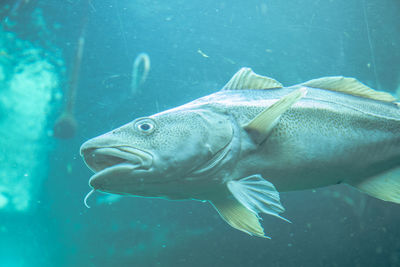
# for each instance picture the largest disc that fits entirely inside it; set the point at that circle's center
(195, 47)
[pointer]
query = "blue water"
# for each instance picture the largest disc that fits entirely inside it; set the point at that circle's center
(195, 47)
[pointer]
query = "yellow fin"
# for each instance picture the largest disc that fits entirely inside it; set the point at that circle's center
(385, 186)
(245, 78)
(349, 86)
(237, 216)
(267, 119)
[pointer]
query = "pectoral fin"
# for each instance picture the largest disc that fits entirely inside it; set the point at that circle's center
(248, 197)
(257, 195)
(260, 127)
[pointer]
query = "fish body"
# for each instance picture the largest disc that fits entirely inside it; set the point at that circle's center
(239, 147)
(325, 138)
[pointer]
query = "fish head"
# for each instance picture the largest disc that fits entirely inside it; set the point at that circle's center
(151, 156)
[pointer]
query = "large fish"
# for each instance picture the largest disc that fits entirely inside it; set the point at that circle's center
(239, 147)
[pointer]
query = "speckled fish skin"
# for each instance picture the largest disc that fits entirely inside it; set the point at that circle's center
(326, 138)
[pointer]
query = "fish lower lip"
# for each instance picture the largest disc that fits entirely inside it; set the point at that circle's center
(98, 183)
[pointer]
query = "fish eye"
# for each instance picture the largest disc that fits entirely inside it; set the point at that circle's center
(145, 126)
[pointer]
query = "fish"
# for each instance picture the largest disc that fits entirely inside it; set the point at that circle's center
(240, 147)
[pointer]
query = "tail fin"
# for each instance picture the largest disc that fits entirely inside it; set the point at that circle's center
(385, 186)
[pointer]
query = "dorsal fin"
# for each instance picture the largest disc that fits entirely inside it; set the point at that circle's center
(245, 78)
(349, 86)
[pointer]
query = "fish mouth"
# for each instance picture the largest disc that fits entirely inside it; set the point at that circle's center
(104, 158)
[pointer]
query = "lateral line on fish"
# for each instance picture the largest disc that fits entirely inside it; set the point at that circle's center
(352, 108)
